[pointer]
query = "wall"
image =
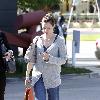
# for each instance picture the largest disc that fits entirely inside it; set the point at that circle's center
(8, 12)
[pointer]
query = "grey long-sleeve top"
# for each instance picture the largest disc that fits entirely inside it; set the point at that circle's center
(51, 69)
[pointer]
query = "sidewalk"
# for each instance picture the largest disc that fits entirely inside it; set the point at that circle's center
(85, 30)
(74, 87)
(80, 88)
(14, 89)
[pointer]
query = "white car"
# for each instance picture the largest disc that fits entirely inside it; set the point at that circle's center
(97, 52)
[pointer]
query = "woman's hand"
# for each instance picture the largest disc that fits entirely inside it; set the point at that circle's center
(27, 83)
(27, 80)
(45, 56)
(7, 56)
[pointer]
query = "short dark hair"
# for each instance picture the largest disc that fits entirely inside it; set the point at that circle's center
(49, 18)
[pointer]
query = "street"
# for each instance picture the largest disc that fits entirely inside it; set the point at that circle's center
(74, 87)
(80, 88)
(14, 89)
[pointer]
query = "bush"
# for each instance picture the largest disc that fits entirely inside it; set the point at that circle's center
(73, 70)
(20, 68)
(97, 54)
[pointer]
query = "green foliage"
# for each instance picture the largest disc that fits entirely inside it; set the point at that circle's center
(20, 69)
(85, 37)
(73, 70)
(36, 4)
(97, 54)
(89, 37)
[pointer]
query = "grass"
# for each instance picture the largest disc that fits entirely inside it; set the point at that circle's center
(85, 37)
(73, 70)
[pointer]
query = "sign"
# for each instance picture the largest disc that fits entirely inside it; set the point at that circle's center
(76, 39)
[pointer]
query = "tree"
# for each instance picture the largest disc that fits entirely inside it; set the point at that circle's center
(46, 5)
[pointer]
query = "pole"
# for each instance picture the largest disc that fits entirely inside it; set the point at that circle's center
(71, 12)
(73, 42)
(73, 53)
(98, 10)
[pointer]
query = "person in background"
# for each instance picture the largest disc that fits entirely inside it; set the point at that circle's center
(64, 30)
(92, 7)
(60, 22)
(44, 57)
(61, 19)
(3, 55)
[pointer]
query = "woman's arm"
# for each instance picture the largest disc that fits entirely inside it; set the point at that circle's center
(62, 54)
(6, 50)
(29, 68)
(30, 53)
(4, 40)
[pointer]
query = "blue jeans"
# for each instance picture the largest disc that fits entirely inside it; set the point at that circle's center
(40, 91)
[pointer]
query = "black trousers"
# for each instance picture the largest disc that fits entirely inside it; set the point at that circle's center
(65, 36)
(2, 85)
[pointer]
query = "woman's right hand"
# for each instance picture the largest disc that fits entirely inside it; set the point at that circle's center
(27, 83)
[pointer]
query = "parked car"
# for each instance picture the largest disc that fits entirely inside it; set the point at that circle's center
(97, 52)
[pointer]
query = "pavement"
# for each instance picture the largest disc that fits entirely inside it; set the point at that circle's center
(73, 87)
(14, 89)
(80, 87)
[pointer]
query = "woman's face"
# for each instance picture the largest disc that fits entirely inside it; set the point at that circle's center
(47, 28)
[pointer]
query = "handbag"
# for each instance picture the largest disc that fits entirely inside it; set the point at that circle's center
(11, 65)
(29, 94)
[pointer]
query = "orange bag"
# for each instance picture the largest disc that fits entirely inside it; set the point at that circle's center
(29, 94)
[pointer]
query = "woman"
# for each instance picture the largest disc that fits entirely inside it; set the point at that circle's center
(45, 56)
(4, 54)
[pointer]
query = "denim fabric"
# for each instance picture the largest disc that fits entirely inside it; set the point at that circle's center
(53, 93)
(40, 91)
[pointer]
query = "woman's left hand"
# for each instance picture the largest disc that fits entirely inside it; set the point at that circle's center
(45, 56)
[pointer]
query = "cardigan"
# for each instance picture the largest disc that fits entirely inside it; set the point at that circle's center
(50, 70)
